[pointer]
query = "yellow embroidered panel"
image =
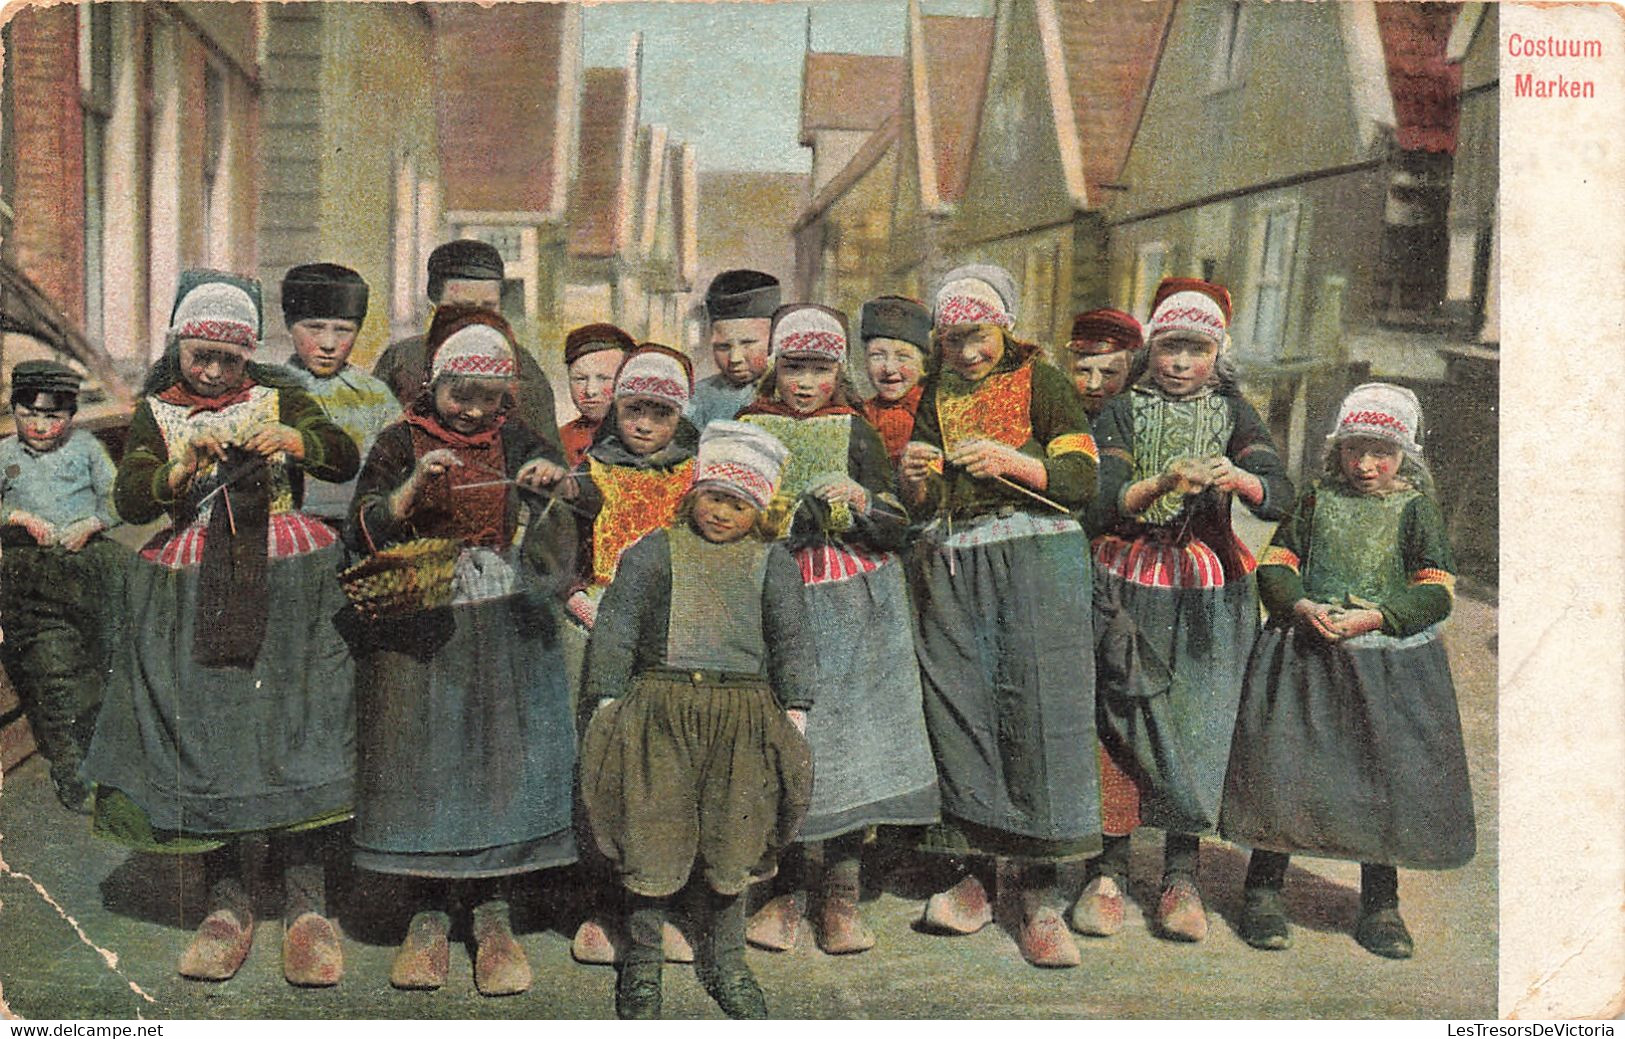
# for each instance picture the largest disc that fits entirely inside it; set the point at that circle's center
(636, 501)
(998, 408)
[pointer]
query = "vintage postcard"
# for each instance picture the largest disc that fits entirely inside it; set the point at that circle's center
(860, 508)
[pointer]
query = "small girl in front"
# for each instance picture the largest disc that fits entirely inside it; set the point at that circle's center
(1175, 607)
(694, 769)
(1348, 744)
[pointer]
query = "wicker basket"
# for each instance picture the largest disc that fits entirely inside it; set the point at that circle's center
(402, 579)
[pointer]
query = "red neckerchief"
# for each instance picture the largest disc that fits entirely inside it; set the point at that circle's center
(427, 420)
(774, 406)
(909, 401)
(181, 396)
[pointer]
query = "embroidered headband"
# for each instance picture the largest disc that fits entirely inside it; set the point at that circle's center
(740, 459)
(808, 330)
(656, 372)
(1381, 410)
(476, 351)
(218, 312)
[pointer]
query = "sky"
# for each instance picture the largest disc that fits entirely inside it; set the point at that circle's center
(726, 76)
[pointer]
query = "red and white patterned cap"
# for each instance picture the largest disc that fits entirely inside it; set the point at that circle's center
(475, 351)
(1381, 410)
(218, 312)
(808, 330)
(1188, 311)
(741, 459)
(976, 294)
(655, 372)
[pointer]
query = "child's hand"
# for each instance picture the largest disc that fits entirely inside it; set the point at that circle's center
(1187, 476)
(583, 609)
(918, 460)
(1317, 617)
(272, 437)
(435, 464)
(204, 448)
(836, 488)
(987, 458)
(1226, 476)
(798, 718)
(76, 535)
(539, 473)
(1350, 624)
(42, 532)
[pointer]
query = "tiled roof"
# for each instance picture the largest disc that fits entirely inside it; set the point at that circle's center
(848, 91)
(1425, 84)
(497, 79)
(957, 51)
(603, 189)
(1111, 50)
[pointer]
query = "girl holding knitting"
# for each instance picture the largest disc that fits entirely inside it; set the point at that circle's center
(838, 515)
(228, 714)
(1001, 456)
(1175, 608)
(694, 772)
(1348, 743)
(465, 735)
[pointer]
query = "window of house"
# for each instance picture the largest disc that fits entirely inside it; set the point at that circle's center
(96, 101)
(1269, 287)
(1150, 264)
(1229, 40)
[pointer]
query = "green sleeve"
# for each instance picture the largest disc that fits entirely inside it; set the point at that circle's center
(1057, 412)
(1253, 449)
(1425, 550)
(928, 431)
(330, 454)
(141, 491)
(1114, 439)
(1280, 572)
(633, 611)
(885, 525)
(791, 654)
(389, 464)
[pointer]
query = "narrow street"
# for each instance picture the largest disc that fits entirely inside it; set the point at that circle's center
(130, 906)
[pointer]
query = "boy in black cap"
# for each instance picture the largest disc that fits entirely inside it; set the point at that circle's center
(739, 306)
(469, 273)
(323, 305)
(60, 581)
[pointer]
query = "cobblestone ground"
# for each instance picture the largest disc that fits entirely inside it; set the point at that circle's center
(88, 930)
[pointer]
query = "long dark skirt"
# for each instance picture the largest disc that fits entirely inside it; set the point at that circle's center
(1006, 656)
(467, 757)
(871, 754)
(684, 773)
(220, 750)
(1350, 751)
(1171, 671)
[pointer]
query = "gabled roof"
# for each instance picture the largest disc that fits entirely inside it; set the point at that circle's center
(873, 149)
(601, 204)
(1110, 52)
(505, 74)
(957, 52)
(1426, 85)
(848, 91)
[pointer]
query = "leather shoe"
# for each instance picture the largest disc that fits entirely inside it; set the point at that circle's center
(1263, 923)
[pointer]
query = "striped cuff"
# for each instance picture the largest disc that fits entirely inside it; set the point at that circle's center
(1072, 443)
(1275, 555)
(1428, 575)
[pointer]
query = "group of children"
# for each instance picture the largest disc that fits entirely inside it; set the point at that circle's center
(997, 607)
